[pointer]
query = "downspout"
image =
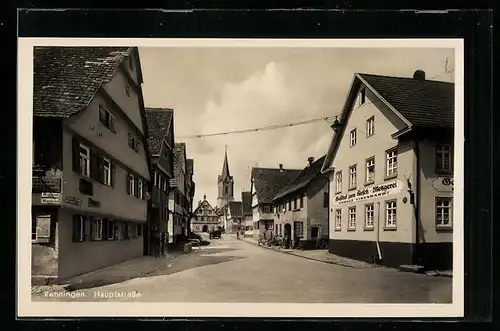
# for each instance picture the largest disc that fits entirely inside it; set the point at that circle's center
(377, 239)
(416, 206)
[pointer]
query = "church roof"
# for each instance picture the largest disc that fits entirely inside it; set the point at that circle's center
(225, 169)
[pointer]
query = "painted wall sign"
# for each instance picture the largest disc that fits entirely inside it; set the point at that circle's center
(443, 184)
(72, 200)
(371, 192)
(94, 203)
(47, 198)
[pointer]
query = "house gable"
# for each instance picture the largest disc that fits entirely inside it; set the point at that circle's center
(373, 104)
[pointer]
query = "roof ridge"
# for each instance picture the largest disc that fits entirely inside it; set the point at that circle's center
(405, 78)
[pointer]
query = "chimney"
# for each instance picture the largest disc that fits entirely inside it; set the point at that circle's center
(419, 75)
(281, 166)
(310, 159)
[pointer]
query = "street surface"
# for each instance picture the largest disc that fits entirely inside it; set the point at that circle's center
(231, 270)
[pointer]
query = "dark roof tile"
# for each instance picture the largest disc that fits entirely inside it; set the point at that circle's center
(67, 78)
(246, 199)
(235, 209)
(269, 181)
(424, 103)
(303, 179)
(159, 121)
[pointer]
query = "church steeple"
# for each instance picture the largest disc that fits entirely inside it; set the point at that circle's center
(225, 184)
(225, 166)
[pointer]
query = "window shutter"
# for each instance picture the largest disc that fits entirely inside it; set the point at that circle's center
(100, 169)
(76, 155)
(144, 190)
(113, 172)
(112, 123)
(136, 187)
(87, 229)
(76, 227)
(127, 181)
(94, 165)
(104, 229)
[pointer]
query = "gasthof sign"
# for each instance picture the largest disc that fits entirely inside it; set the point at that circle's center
(370, 192)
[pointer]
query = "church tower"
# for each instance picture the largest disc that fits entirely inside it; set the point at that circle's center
(226, 185)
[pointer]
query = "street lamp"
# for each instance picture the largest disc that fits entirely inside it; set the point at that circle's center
(336, 125)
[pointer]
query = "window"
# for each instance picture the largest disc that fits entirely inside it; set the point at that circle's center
(266, 209)
(352, 218)
(140, 192)
(390, 214)
(338, 182)
(40, 229)
(391, 163)
(369, 215)
(155, 178)
(362, 96)
(353, 138)
(84, 160)
(107, 171)
(443, 158)
(118, 230)
(78, 228)
(370, 170)
(226, 189)
(326, 197)
(443, 212)
(289, 205)
(299, 229)
(352, 177)
(133, 143)
(338, 219)
(302, 202)
(138, 230)
(295, 203)
(127, 90)
(106, 118)
(131, 184)
(110, 230)
(370, 127)
(97, 229)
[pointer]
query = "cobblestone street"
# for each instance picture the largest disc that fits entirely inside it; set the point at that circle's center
(239, 271)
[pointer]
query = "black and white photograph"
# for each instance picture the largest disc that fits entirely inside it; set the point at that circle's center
(256, 177)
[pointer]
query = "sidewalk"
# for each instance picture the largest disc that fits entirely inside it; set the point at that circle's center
(320, 255)
(139, 267)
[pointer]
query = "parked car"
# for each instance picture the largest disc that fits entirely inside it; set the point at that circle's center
(215, 234)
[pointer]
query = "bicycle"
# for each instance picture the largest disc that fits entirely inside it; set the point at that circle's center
(321, 244)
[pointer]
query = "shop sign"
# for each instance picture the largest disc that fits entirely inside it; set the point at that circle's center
(443, 184)
(72, 200)
(382, 190)
(48, 198)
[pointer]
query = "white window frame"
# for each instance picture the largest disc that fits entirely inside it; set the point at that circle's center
(353, 137)
(445, 150)
(391, 163)
(106, 171)
(338, 219)
(338, 182)
(97, 225)
(370, 127)
(369, 215)
(351, 219)
(370, 163)
(353, 177)
(131, 184)
(139, 188)
(84, 160)
(440, 208)
(391, 214)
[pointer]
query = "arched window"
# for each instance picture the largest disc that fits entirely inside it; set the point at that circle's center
(226, 189)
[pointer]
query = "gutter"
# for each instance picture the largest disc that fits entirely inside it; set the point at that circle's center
(416, 207)
(377, 239)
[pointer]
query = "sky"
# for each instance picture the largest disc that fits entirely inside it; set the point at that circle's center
(216, 90)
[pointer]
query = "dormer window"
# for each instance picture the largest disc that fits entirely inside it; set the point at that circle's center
(133, 143)
(362, 96)
(127, 89)
(106, 118)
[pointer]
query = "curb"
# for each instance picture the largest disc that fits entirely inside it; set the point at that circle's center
(304, 257)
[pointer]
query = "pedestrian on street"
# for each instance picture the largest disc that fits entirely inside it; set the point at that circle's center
(238, 235)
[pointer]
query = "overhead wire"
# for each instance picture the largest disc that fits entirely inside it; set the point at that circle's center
(286, 125)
